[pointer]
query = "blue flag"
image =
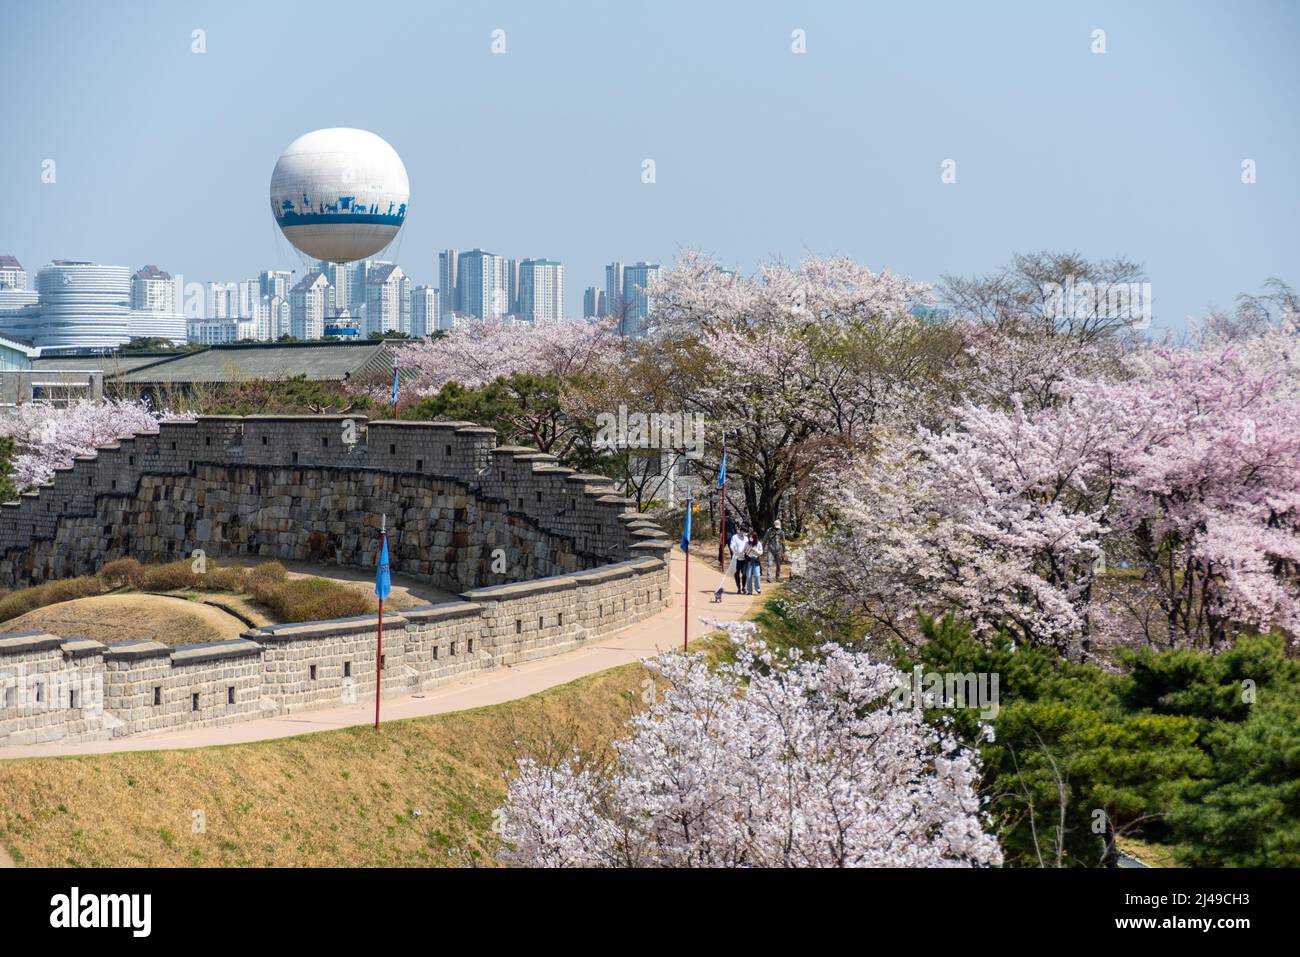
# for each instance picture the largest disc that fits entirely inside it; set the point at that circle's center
(722, 470)
(686, 532)
(383, 583)
(394, 387)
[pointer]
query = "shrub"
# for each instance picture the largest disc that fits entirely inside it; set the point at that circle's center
(122, 573)
(170, 577)
(221, 579)
(312, 599)
(264, 576)
(28, 599)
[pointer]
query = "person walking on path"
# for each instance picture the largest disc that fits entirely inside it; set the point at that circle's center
(774, 546)
(754, 562)
(739, 543)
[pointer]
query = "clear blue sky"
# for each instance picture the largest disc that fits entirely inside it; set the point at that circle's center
(165, 156)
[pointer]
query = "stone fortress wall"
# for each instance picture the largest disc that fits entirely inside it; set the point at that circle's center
(543, 558)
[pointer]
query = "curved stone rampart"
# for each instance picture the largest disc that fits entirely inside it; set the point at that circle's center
(545, 559)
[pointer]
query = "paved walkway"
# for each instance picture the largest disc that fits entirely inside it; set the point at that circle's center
(661, 632)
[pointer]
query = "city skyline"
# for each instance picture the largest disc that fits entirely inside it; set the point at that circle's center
(1124, 136)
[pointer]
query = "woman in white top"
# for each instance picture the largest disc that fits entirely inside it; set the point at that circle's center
(753, 566)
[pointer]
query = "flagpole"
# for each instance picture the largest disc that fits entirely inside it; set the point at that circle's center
(379, 650)
(686, 587)
(722, 545)
(686, 600)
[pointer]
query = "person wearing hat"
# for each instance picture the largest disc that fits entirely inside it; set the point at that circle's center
(774, 547)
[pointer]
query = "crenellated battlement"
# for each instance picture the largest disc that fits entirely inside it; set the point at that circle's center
(304, 487)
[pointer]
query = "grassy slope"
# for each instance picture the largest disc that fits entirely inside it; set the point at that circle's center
(128, 616)
(330, 799)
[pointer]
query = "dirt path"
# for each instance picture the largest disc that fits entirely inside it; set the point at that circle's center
(662, 632)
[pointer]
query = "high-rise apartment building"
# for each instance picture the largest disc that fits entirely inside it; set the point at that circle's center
(637, 280)
(12, 274)
(448, 283)
(593, 302)
(223, 300)
(155, 311)
(614, 290)
(388, 299)
(310, 303)
(483, 284)
(276, 283)
(541, 290)
(425, 310)
(272, 318)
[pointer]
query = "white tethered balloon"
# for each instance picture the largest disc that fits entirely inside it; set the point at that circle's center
(339, 194)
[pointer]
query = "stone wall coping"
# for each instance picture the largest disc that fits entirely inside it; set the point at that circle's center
(442, 611)
(18, 641)
(179, 423)
(659, 546)
(588, 477)
(82, 647)
(475, 430)
(323, 629)
(509, 590)
(422, 423)
(511, 450)
(333, 417)
(214, 651)
(645, 534)
(605, 573)
(131, 650)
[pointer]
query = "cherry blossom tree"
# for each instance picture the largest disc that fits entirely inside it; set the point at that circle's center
(773, 761)
(476, 353)
(47, 438)
(1000, 517)
(795, 361)
(1187, 465)
(1212, 498)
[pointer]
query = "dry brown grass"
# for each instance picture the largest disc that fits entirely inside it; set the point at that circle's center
(312, 599)
(338, 798)
(23, 600)
(128, 617)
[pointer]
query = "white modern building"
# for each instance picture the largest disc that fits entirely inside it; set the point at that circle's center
(311, 302)
(276, 282)
(84, 307)
(213, 332)
(484, 284)
(425, 310)
(223, 300)
(388, 299)
(12, 274)
(155, 312)
(541, 290)
(272, 318)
